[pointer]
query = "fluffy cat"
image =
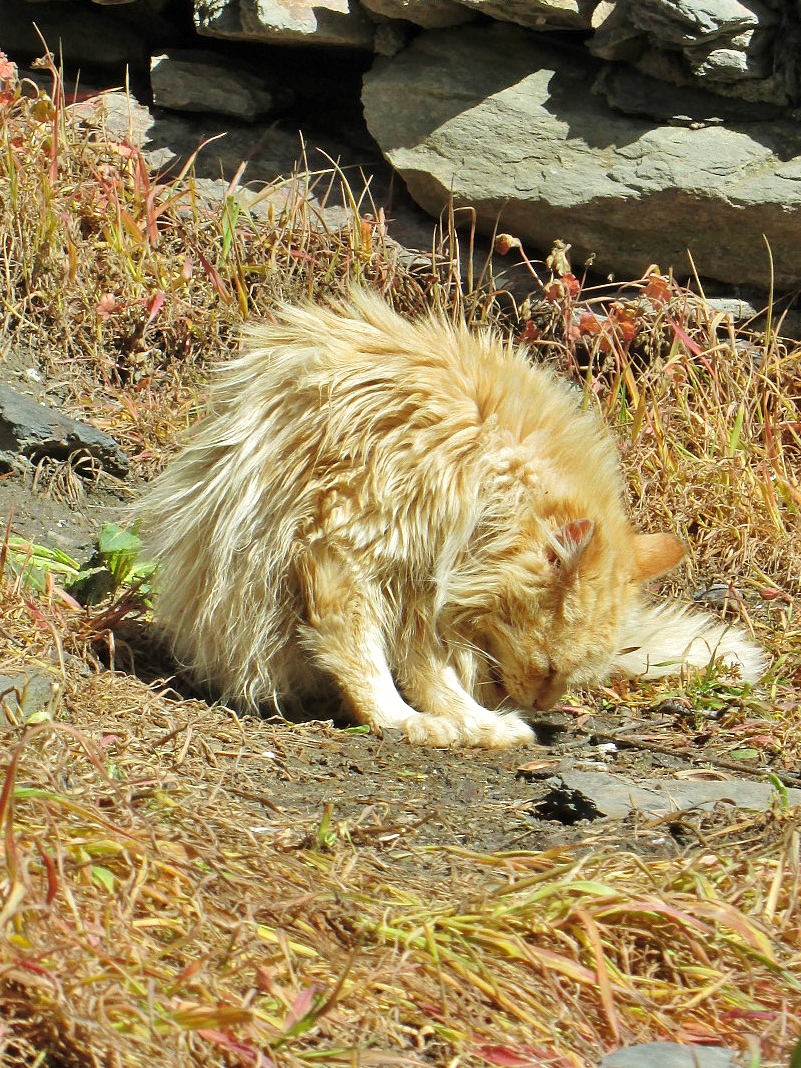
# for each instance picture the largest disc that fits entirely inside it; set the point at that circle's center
(413, 517)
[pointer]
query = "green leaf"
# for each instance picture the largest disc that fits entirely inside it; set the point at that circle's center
(118, 549)
(781, 790)
(229, 219)
(103, 877)
(41, 715)
(744, 754)
(113, 539)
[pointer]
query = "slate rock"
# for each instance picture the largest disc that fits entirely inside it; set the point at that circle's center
(509, 126)
(341, 23)
(428, 13)
(576, 795)
(670, 1055)
(33, 431)
(632, 93)
(686, 22)
(194, 80)
(538, 14)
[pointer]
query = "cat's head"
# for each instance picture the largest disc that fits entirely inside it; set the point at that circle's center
(556, 607)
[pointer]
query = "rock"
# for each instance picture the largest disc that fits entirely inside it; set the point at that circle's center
(509, 127)
(670, 1055)
(723, 44)
(193, 80)
(312, 22)
(686, 22)
(615, 37)
(538, 14)
(28, 696)
(31, 430)
(429, 13)
(390, 37)
(633, 93)
(579, 795)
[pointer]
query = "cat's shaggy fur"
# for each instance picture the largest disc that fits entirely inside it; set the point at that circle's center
(415, 517)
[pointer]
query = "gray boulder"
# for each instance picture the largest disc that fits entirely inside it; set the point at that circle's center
(538, 14)
(510, 126)
(32, 431)
(432, 14)
(313, 22)
(194, 80)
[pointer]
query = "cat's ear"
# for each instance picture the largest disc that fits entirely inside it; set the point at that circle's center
(654, 554)
(569, 542)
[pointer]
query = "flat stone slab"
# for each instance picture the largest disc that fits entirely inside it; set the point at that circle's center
(313, 22)
(33, 431)
(595, 794)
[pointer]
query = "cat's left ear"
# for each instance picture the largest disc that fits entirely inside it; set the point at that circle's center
(654, 554)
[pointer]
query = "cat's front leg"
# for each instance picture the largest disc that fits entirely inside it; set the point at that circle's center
(344, 637)
(433, 685)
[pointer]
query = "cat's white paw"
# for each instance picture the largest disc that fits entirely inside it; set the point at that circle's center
(441, 732)
(451, 732)
(507, 732)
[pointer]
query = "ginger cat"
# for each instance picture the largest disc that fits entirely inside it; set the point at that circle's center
(414, 517)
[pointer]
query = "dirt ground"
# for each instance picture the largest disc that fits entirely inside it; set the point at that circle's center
(302, 776)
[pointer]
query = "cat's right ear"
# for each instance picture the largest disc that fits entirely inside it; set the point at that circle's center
(654, 554)
(569, 542)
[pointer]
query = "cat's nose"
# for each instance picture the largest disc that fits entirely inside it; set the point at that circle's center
(552, 688)
(539, 692)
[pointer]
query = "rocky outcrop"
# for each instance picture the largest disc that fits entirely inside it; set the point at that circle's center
(498, 121)
(634, 129)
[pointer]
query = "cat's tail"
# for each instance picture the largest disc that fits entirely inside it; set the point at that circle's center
(664, 639)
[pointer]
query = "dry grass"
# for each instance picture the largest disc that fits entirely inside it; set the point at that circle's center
(149, 912)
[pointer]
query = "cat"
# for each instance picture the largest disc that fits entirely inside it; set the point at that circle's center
(414, 517)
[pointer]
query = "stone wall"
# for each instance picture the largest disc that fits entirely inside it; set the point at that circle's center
(635, 129)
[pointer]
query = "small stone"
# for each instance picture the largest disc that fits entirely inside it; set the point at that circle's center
(28, 696)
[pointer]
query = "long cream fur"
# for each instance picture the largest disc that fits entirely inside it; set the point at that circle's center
(411, 517)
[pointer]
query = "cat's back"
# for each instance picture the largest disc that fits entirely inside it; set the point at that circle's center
(360, 362)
